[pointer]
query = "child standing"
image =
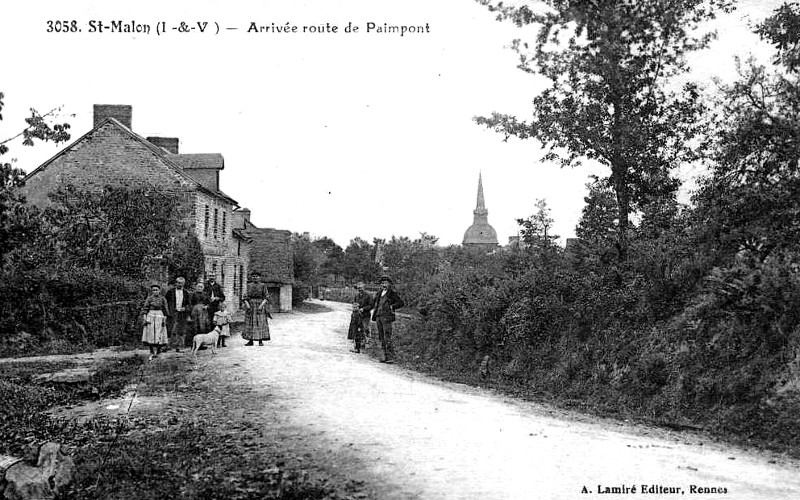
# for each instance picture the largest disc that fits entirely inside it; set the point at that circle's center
(222, 319)
(356, 330)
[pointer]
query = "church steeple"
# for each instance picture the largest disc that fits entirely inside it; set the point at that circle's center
(480, 234)
(480, 208)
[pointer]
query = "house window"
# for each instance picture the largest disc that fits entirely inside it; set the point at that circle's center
(216, 217)
(241, 279)
(206, 223)
(235, 290)
(224, 224)
(238, 248)
(214, 269)
(222, 276)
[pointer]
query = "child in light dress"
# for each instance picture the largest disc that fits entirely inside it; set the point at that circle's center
(222, 319)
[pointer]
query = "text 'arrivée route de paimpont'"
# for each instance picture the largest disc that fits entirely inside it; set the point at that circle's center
(212, 27)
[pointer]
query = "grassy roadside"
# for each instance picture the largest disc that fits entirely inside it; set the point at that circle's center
(23, 424)
(206, 439)
(192, 434)
(777, 434)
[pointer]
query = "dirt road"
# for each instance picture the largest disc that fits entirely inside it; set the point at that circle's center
(414, 437)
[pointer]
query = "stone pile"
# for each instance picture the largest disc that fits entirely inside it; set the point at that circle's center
(20, 480)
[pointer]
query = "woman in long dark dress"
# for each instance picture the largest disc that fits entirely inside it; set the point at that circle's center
(256, 311)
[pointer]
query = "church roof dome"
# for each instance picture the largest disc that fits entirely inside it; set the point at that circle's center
(480, 232)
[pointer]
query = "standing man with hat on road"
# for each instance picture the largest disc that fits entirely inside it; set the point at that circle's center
(179, 306)
(386, 301)
(215, 295)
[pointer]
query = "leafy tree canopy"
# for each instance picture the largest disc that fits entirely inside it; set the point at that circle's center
(608, 63)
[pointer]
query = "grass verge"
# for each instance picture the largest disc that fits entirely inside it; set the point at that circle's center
(23, 423)
(770, 427)
(202, 438)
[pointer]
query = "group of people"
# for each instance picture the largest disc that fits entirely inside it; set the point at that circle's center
(379, 309)
(172, 319)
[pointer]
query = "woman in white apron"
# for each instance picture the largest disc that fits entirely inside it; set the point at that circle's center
(154, 320)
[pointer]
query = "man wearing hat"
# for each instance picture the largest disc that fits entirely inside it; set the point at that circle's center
(215, 295)
(386, 301)
(179, 305)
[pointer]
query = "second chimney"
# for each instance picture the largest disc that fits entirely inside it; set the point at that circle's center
(168, 143)
(245, 212)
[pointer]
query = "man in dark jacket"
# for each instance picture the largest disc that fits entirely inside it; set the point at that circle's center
(215, 295)
(179, 305)
(383, 307)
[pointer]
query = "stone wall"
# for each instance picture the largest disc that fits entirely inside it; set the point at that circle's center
(224, 255)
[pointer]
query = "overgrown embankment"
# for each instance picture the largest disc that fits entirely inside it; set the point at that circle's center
(719, 355)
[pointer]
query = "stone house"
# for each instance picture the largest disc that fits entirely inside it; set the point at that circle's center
(111, 154)
(271, 255)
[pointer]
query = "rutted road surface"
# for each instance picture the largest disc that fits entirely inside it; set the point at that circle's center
(414, 437)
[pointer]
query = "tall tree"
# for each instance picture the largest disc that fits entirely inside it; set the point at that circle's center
(305, 258)
(313, 258)
(608, 62)
(359, 263)
(333, 256)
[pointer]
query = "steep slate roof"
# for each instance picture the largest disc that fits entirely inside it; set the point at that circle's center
(271, 253)
(158, 151)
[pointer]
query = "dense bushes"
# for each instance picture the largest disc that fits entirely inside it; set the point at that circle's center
(737, 339)
(672, 345)
(73, 278)
(66, 310)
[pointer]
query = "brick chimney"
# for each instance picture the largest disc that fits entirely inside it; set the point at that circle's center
(168, 143)
(121, 112)
(245, 215)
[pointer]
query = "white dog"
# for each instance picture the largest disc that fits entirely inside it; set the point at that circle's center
(209, 338)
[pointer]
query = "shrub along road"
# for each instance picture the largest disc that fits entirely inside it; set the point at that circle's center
(304, 403)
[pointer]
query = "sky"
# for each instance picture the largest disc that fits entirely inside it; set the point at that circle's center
(340, 134)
